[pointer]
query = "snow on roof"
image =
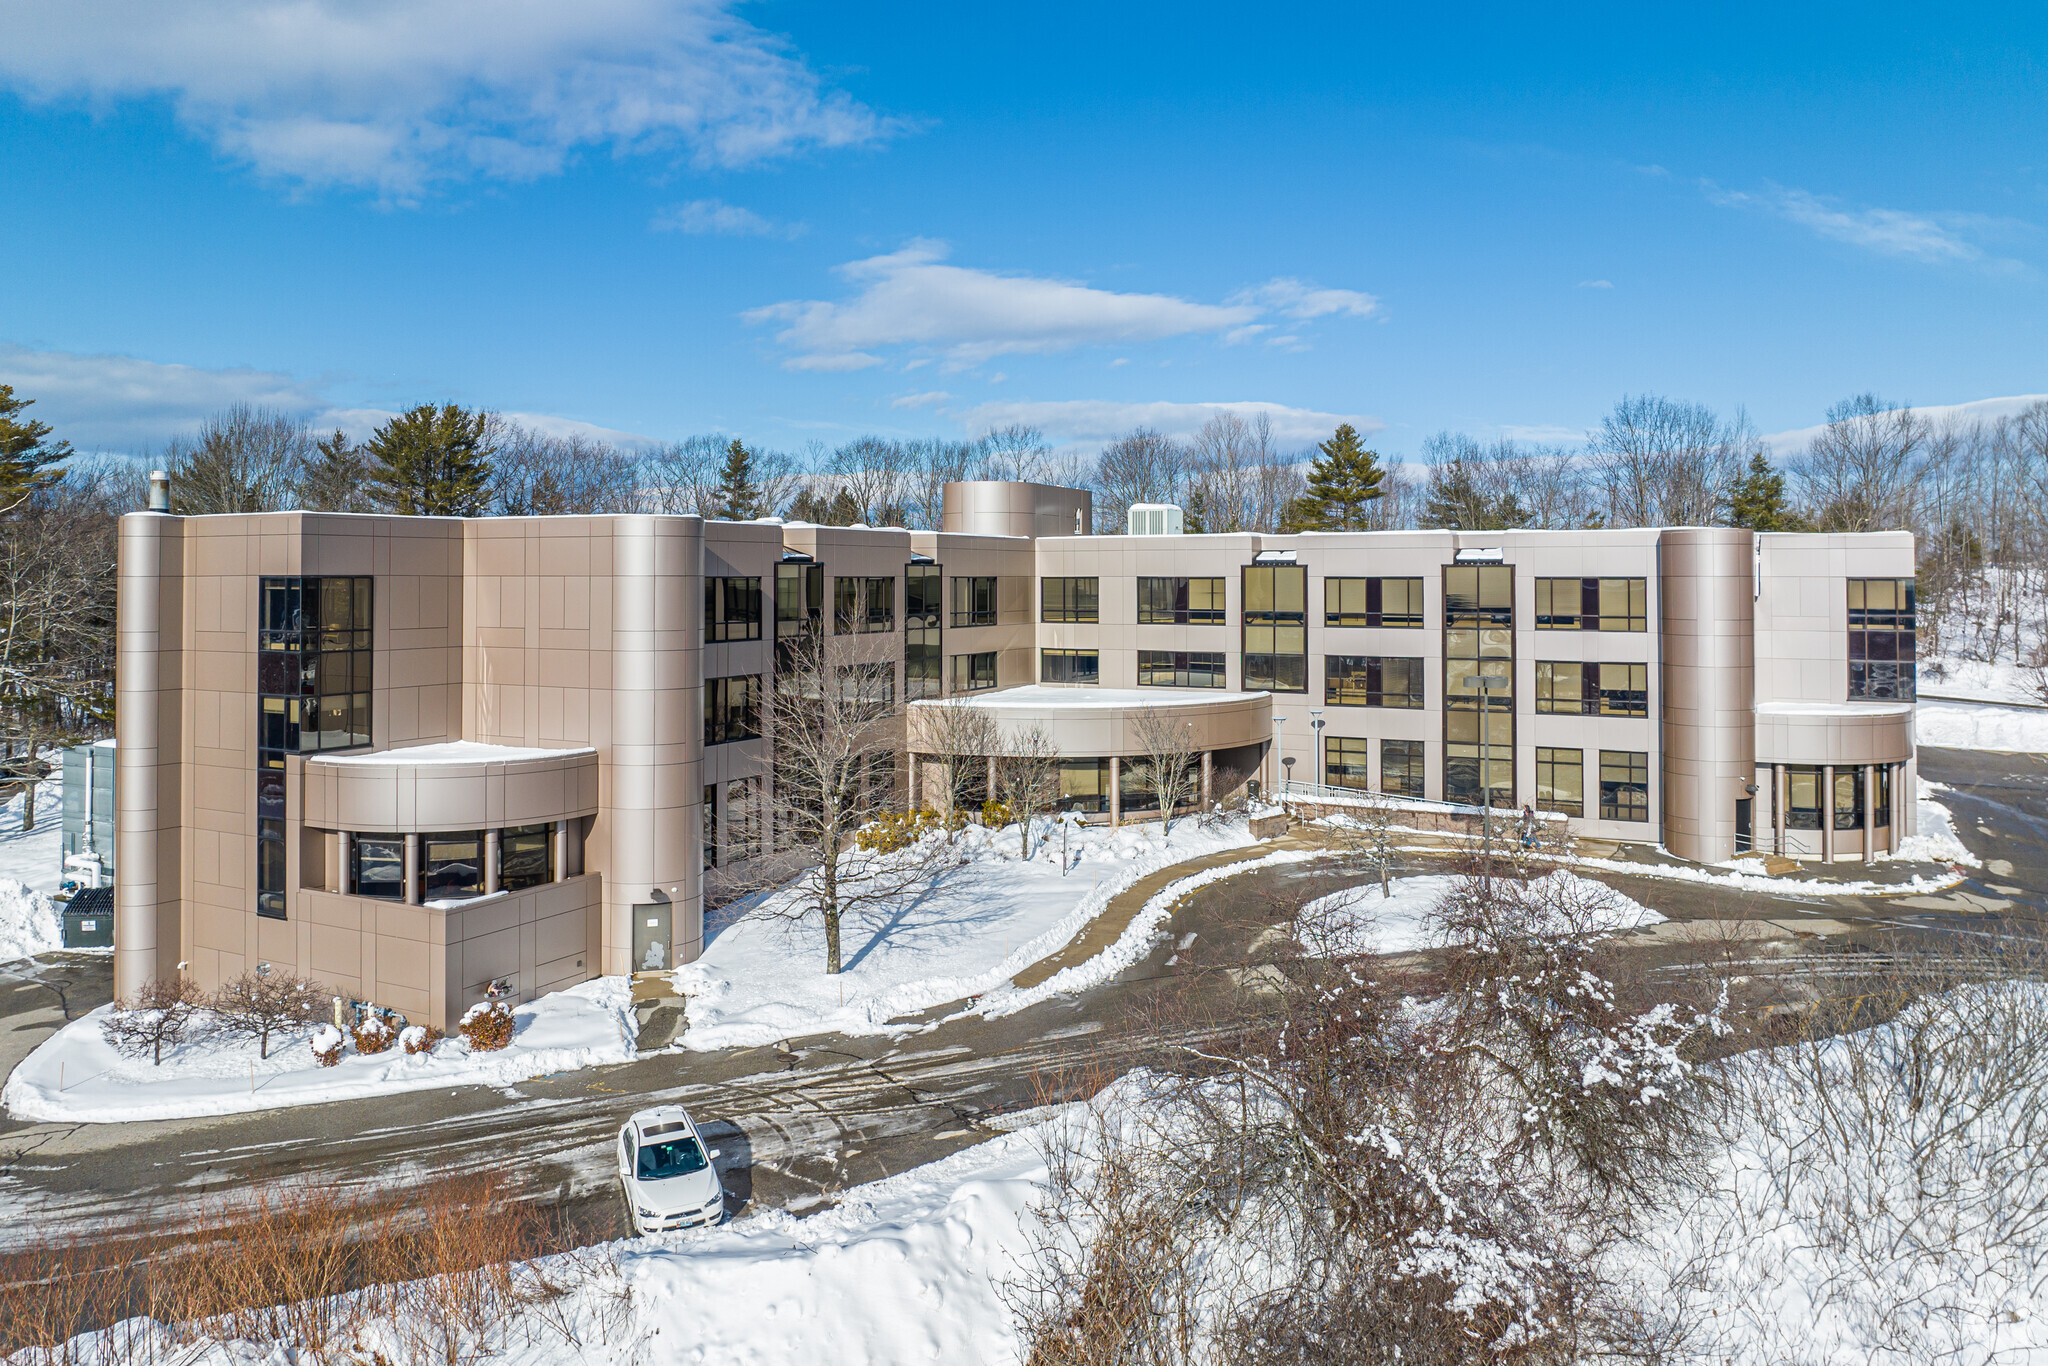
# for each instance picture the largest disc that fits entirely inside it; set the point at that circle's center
(452, 752)
(1864, 709)
(1039, 695)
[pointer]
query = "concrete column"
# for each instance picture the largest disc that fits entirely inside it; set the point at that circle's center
(491, 856)
(1208, 776)
(1891, 829)
(562, 873)
(1869, 812)
(1827, 813)
(412, 869)
(1778, 806)
(343, 848)
(1116, 795)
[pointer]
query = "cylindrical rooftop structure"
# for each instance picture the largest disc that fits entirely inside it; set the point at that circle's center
(996, 507)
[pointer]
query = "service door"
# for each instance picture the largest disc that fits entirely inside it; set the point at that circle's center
(651, 937)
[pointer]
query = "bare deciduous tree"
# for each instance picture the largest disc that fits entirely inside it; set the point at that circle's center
(1859, 472)
(534, 474)
(160, 1013)
(258, 1005)
(1168, 769)
(1028, 777)
(1141, 466)
(962, 737)
(1668, 463)
(244, 459)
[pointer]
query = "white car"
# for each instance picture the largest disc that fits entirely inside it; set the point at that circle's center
(667, 1173)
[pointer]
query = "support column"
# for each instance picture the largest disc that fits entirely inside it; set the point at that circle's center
(491, 860)
(1208, 777)
(1869, 812)
(561, 851)
(1827, 813)
(339, 882)
(1116, 794)
(1891, 831)
(412, 869)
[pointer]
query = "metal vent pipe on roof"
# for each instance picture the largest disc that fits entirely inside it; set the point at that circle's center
(159, 491)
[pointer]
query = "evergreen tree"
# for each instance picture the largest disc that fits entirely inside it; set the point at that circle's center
(1194, 514)
(1456, 502)
(1758, 500)
(28, 459)
(337, 478)
(1342, 485)
(844, 509)
(739, 497)
(433, 462)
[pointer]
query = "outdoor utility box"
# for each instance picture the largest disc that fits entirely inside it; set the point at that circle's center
(89, 919)
(89, 809)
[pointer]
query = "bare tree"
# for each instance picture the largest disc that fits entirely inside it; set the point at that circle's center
(534, 474)
(962, 737)
(1016, 452)
(259, 1004)
(1859, 473)
(1168, 769)
(930, 465)
(1140, 467)
(1028, 776)
(1668, 463)
(682, 476)
(876, 475)
(160, 1013)
(244, 459)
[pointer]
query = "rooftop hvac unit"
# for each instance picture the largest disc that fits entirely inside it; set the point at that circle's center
(1155, 519)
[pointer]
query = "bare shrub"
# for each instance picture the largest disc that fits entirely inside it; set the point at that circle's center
(1028, 777)
(259, 1005)
(163, 1012)
(1169, 769)
(487, 1026)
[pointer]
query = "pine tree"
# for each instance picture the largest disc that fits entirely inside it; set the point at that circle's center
(28, 459)
(433, 462)
(1758, 500)
(739, 497)
(337, 478)
(1194, 515)
(1455, 502)
(1342, 485)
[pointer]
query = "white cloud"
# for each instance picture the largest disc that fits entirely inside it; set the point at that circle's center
(1933, 238)
(910, 301)
(1093, 421)
(1795, 442)
(716, 218)
(1596, 284)
(929, 399)
(395, 95)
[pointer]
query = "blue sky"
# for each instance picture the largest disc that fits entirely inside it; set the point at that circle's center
(801, 221)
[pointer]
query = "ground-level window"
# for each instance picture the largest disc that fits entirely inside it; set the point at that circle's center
(711, 825)
(1401, 767)
(1180, 669)
(526, 857)
(1848, 799)
(378, 866)
(1347, 762)
(452, 865)
(743, 819)
(974, 673)
(1372, 681)
(1084, 785)
(1802, 797)
(1561, 781)
(1882, 800)
(1069, 666)
(1624, 785)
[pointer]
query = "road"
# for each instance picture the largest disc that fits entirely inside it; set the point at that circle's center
(796, 1125)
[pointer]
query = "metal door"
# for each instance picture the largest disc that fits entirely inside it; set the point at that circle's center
(1743, 840)
(651, 937)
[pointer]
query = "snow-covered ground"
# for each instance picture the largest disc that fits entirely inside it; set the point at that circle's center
(76, 1076)
(1951, 676)
(29, 872)
(1981, 725)
(1361, 920)
(763, 979)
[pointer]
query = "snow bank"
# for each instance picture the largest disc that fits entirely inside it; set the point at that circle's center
(34, 858)
(28, 922)
(1361, 920)
(1981, 725)
(75, 1076)
(1937, 841)
(763, 979)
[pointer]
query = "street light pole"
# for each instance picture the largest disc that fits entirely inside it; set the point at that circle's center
(1315, 721)
(1485, 683)
(1276, 752)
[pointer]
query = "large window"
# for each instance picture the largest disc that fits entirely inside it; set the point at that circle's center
(743, 819)
(1372, 602)
(1069, 666)
(975, 672)
(1401, 767)
(868, 684)
(1561, 781)
(1068, 599)
(1084, 785)
(923, 651)
(799, 599)
(452, 866)
(1571, 688)
(377, 866)
(1347, 762)
(1180, 669)
(863, 605)
(1849, 798)
(313, 667)
(732, 709)
(1180, 602)
(1276, 627)
(1592, 604)
(1624, 785)
(732, 609)
(974, 601)
(1479, 718)
(1802, 797)
(1882, 650)
(1372, 681)
(526, 857)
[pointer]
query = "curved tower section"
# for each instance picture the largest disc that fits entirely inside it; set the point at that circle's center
(1707, 599)
(149, 709)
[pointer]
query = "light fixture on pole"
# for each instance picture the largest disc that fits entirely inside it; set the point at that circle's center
(1315, 721)
(1277, 721)
(1486, 683)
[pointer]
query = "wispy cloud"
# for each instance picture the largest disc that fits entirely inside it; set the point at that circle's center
(395, 95)
(1595, 284)
(1935, 238)
(1794, 442)
(912, 302)
(1093, 421)
(716, 218)
(931, 398)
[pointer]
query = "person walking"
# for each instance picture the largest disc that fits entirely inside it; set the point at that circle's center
(1528, 826)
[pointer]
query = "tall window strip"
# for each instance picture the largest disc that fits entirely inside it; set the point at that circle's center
(1069, 599)
(1372, 681)
(1479, 642)
(1401, 767)
(924, 659)
(1561, 781)
(1347, 762)
(732, 609)
(1883, 652)
(1575, 688)
(974, 601)
(313, 667)
(1276, 627)
(1372, 602)
(743, 818)
(1180, 669)
(799, 599)
(732, 709)
(1180, 602)
(1592, 604)
(1069, 666)
(975, 672)
(1624, 785)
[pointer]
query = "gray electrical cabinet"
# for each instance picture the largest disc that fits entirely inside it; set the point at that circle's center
(88, 811)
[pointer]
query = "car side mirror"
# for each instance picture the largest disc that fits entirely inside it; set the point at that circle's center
(718, 1152)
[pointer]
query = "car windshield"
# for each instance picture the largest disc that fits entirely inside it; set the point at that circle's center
(676, 1157)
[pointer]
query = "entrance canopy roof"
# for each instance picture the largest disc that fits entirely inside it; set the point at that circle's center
(1089, 722)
